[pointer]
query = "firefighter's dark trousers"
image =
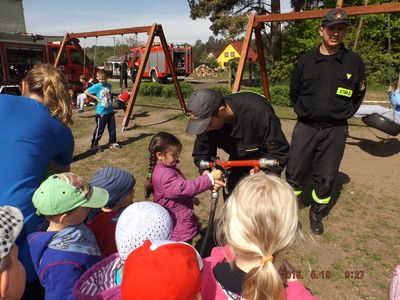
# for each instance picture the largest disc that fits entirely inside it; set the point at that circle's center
(123, 78)
(316, 151)
(101, 122)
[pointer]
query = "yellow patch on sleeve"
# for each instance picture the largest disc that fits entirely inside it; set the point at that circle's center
(348, 75)
(344, 92)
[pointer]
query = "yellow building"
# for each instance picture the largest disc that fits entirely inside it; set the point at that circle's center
(232, 51)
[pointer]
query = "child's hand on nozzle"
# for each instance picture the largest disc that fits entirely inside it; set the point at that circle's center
(217, 175)
(218, 179)
(218, 184)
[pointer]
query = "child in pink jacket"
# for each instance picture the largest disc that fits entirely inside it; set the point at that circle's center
(171, 189)
(257, 222)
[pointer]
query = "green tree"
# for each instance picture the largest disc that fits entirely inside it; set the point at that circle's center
(201, 51)
(229, 18)
(213, 44)
(379, 46)
(198, 51)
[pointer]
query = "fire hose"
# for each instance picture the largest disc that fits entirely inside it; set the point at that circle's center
(223, 166)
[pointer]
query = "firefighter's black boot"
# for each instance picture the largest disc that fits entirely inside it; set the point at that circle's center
(316, 215)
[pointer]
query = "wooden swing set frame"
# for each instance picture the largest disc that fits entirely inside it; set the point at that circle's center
(152, 31)
(256, 24)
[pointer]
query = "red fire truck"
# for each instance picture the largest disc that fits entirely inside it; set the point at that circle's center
(18, 54)
(157, 68)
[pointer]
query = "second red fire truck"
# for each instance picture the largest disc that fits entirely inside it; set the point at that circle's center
(157, 68)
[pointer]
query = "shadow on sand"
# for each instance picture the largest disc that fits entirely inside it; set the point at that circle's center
(384, 147)
(129, 140)
(152, 124)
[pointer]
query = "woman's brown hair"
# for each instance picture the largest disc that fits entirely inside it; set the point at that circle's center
(45, 81)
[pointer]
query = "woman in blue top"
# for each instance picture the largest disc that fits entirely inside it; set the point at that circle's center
(35, 139)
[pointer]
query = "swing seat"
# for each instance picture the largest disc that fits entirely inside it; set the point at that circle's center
(382, 123)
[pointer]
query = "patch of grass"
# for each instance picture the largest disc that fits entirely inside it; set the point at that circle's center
(337, 271)
(362, 238)
(375, 257)
(329, 237)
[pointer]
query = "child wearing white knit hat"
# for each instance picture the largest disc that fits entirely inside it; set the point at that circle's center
(138, 222)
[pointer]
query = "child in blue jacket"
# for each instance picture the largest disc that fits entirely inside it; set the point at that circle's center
(68, 248)
(101, 92)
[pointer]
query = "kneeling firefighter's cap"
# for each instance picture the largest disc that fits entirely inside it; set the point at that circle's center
(202, 105)
(63, 192)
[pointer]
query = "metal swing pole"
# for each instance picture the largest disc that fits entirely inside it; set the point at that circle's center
(84, 55)
(210, 224)
(94, 58)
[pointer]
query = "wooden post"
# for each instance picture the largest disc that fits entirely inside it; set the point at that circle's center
(261, 61)
(359, 30)
(243, 54)
(138, 80)
(167, 54)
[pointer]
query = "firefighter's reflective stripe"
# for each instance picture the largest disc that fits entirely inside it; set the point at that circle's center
(320, 200)
(297, 193)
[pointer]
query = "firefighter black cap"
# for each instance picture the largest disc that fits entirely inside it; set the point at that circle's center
(201, 106)
(335, 16)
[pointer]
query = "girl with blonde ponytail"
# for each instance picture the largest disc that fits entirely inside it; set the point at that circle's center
(257, 222)
(35, 141)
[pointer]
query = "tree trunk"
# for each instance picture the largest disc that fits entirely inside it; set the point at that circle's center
(275, 46)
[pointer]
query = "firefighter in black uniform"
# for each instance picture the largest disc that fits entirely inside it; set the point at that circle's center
(244, 125)
(123, 74)
(327, 87)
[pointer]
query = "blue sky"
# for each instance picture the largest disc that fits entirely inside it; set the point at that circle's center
(50, 17)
